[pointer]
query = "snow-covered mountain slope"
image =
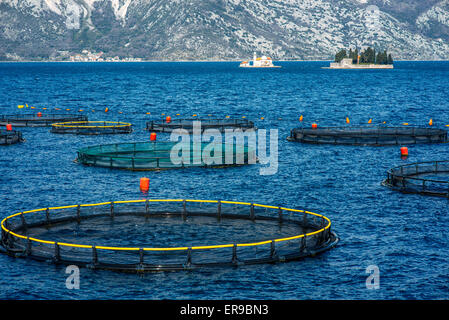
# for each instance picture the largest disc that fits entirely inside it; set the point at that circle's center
(223, 29)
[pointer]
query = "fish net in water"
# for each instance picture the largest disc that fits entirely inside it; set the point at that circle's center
(368, 135)
(427, 178)
(8, 137)
(166, 234)
(188, 124)
(161, 155)
(39, 120)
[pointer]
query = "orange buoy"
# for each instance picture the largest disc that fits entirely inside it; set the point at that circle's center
(153, 136)
(8, 127)
(300, 118)
(370, 120)
(347, 120)
(430, 122)
(39, 114)
(144, 184)
(404, 151)
(314, 126)
(168, 119)
(106, 110)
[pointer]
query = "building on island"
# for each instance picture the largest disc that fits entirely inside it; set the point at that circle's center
(259, 62)
(88, 56)
(347, 62)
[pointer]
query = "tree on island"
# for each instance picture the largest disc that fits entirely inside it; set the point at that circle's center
(390, 59)
(368, 56)
(340, 55)
(354, 55)
(382, 58)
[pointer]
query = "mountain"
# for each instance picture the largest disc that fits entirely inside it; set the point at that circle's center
(222, 30)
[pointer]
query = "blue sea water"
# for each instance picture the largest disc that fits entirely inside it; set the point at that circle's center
(405, 235)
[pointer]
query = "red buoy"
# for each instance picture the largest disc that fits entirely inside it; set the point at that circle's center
(39, 114)
(168, 119)
(8, 127)
(404, 151)
(144, 184)
(153, 136)
(314, 126)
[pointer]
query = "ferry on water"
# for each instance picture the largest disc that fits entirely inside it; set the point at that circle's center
(259, 62)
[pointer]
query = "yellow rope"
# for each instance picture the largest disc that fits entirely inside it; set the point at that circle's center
(77, 124)
(73, 245)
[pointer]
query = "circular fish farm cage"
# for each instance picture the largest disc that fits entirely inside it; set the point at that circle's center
(167, 234)
(188, 124)
(368, 135)
(8, 137)
(141, 156)
(39, 120)
(427, 178)
(91, 127)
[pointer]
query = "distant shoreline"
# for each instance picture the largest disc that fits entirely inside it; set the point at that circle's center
(237, 61)
(183, 61)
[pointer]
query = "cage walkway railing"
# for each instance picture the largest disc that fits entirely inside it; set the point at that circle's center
(156, 155)
(44, 120)
(91, 127)
(369, 135)
(187, 124)
(409, 178)
(18, 243)
(8, 137)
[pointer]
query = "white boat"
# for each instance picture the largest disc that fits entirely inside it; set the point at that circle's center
(258, 62)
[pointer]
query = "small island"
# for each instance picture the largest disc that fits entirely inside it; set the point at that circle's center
(367, 59)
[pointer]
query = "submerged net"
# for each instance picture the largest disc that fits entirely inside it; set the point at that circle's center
(428, 178)
(188, 124)
(368, 135)
(173, 234)
(91, 127)
(34, 120)
(165, 155)
(8, 137)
